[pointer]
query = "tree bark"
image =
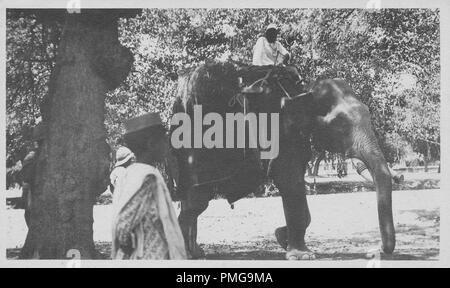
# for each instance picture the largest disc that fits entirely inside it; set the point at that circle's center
(427, 157)
(73, 164)
(319, 159)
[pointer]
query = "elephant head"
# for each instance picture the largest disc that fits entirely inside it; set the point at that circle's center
(341, 124)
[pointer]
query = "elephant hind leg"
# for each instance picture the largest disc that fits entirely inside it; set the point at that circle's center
(195, 203)
(281, 236)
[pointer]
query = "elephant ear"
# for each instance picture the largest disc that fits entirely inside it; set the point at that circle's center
(335, 115)
(324, 97)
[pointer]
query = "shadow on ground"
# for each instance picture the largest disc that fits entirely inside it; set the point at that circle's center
(414, 242)
(336, 187)
(418, 241)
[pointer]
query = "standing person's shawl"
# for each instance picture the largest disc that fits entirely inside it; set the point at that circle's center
(144, 216)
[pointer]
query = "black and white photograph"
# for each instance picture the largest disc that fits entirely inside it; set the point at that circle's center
(268, 135)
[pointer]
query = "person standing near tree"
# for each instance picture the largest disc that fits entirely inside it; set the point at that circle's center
(145, 225)
(28, 171)
(124, 158)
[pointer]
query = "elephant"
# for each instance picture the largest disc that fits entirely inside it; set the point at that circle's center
(328, 115)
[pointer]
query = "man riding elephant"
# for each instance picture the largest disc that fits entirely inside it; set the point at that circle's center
(331, 114)
(269, 51)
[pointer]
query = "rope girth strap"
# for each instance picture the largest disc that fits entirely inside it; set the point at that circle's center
(283, 89)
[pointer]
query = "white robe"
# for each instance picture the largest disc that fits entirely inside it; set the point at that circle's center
(265, 53)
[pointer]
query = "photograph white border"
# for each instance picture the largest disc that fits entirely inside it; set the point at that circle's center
(443, 5)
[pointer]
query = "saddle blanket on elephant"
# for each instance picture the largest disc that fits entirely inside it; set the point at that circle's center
(231, 175)
(216, 87)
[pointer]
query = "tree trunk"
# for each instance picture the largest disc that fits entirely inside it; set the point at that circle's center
(73, 165)
(317, 163)
(427, 157)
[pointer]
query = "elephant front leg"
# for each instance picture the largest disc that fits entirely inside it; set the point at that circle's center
(191, 208)
(281, 234)
(288, 177)
(297, 221)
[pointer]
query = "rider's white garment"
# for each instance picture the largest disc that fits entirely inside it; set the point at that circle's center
(265, 53)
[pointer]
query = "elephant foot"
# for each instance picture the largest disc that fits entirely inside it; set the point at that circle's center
(300, 254)
(292, 254)
(378, 254)
(196, 253)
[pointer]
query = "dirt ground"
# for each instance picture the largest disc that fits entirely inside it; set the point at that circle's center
(344, 227)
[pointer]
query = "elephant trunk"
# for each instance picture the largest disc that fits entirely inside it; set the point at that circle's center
(370, 153)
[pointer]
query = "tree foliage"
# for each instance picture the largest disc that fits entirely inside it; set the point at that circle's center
(31, 47)
(390, 57)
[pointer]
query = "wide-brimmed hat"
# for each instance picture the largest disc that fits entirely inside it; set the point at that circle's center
(142, 122)
(123, 155)
(272, 26)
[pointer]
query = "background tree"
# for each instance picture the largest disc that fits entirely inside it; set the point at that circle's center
(74, 162)
(374, 50)
(31, 43)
